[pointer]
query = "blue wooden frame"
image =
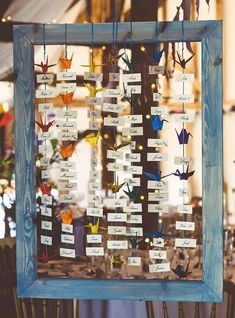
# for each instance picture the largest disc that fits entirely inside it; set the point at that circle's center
(210, 288)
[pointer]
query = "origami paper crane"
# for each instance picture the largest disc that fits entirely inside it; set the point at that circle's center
(132, 194)
(67, 216)
(183, 175)
(67, 98)
(92, 66)
(182, 62)
(158, 234)
(180, 271)
(5, 119)
(44, 67)
(44, 127)
(45, 188)
(128, 63)
(66, 150)
(116, 147)
(117, 261)
(95, 227)
(157, 122)
(133, 241)
(156, 177)
(93, 90)
(44, 258)
(156, 56)
(113, 59)
(65, 62)
(92, 138)
(115, 187)
(183, 136)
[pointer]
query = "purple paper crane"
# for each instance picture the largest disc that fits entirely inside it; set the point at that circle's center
(183, 175)
(183, 136)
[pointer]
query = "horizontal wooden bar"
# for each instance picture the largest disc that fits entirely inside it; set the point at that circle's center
(142, 32)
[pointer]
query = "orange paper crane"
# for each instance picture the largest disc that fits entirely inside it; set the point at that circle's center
(67, 216)
(44, 66)
(65, 62)
(45, 188)
(66, 150)
(67, 98)
(44, 127)
(95, 227)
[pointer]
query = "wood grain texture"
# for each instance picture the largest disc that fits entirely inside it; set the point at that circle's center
(24, 158)
(143, 32)
(210, 289)
(212, 102)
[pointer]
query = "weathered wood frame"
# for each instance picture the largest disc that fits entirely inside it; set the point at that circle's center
(209, 33)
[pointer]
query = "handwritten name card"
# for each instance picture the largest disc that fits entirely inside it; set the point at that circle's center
(156, 69)
(184, 98)
(134, 231)
(112, 92)
(94, 238)
(133, 157)
(114, 77)
(185, 226)
(94, 251)
(46, 225)
(157, 208)
(45, 78)
(161, 196)
(46, 240)
(154, 254)
(68, 228)
(96, 77)
(117, 230)
(120, 245)
(134, 219)
(46, 93)
(132, 131)
(97, 212)
(112, 108)
(160, 111)
(117, 217)
(67, 252)
(110, 121)
(158, 242)
(68, 239)
(133, 169)
(157, 185)
(45, 211)
(134, 261)
(157, 156)
(159, 268)
(157, 143)
(185, 242)
(111, 154)
(185, 209)
(66, 76)
(45, 107)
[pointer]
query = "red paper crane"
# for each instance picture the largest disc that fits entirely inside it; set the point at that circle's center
(45, 188)
(44, 258)
(44, 127)
(45, 67)
(6, 118)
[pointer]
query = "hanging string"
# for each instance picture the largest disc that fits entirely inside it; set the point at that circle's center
(65, 41)
(44, 41)
(92, 41)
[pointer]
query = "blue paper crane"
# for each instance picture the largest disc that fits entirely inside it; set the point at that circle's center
(157, 122)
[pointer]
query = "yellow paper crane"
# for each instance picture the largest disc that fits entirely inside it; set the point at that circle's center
(95, 227)
(115, 187)
(93, 90)
(93, 138)
(92, 66)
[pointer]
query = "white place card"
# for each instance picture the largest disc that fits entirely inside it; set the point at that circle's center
(111, 154)
(184, 118)
(67, 165)
(45, 174)
(45, 107)
(114, 77)
(160, 111)
(155, 254)
(133, 169)
(156, 69)
(45, 78)
(161, 196)
(67, 252)
(185, 226)
(93, 100)
(133, 157)
(134, 119)
(67, 198)
(158, 208)
(66, 87)
(112, 166)
(116, 203)
(134, 207)
(44, 161)
(157, 185)
(134, 231)
(185, 209)
(46, 211)
(184, 77)
(45, 135)
(184, 98)
(157, 143)
(66, 124)
(67, 238)
(46, 225)
(95, 77)
(68, 228)
(134, 261)
(66, 135)
(67, 175)
(112, 108)
(183, 161)
(111, 121)
(97, 212)
(157, 97)
(66, 76)
(94, 198)
(94, 125)
(133, 89)
(132, 131)
(46, 240)
(117, 230)
(67, 114)
(185, 242)
(93, 113)
(71, 186)
(45, 149)
(131, 77)
(46, 93)
(117, 217)
(46, 199)
(183, 192)
(137, 219)
(94, 152)
(94, 238)
(158, 242)
(159, 268)
(117, 245)
(94, 251)
(94, 174)
(134, 182)
(157, 156)
(93, 186)
(112, 92)
(133, 144)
